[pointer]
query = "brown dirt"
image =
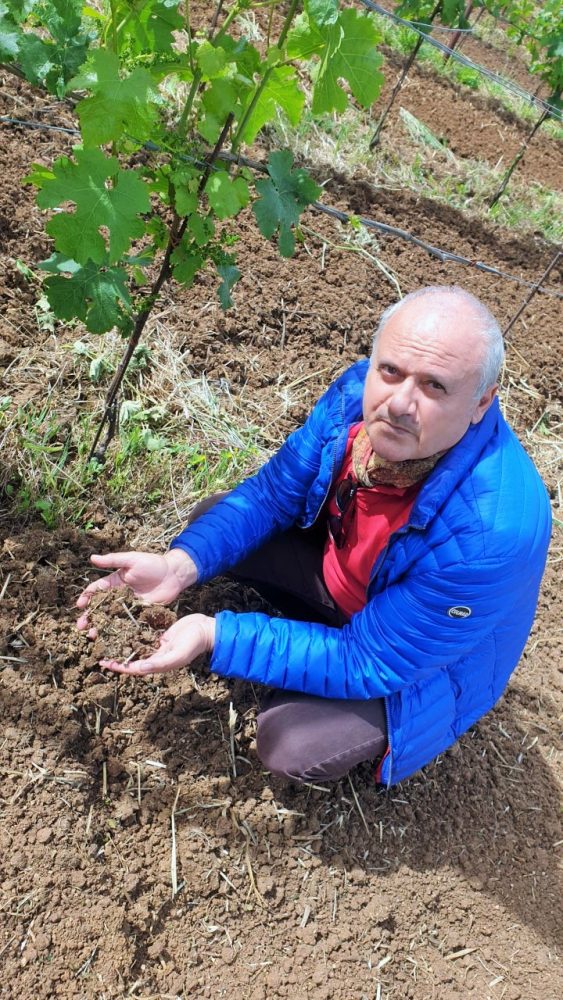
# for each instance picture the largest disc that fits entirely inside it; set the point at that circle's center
(446, 887)
(472, 126)
(125, 627)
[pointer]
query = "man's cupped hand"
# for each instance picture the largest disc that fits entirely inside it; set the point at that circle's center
(182, 643)
(153, 578)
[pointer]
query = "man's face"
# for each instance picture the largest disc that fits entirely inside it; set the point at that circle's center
(419, 396)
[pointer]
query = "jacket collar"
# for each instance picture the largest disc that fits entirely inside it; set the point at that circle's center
(454, 467)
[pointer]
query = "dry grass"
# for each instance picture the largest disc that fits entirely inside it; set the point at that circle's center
(411, 157)
(180, 436)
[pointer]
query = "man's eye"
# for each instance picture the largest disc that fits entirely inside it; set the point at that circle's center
(388, 369)
(437, 385)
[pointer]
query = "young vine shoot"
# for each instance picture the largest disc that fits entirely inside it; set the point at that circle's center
(147, 185)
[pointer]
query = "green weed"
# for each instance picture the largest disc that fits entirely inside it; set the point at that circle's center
(177, 435)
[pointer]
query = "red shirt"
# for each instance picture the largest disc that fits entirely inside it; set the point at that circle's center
(374, 514)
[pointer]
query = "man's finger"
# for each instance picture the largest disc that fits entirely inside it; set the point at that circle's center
(157, 664)
(104, 583)
(112, 560)
(82, 622)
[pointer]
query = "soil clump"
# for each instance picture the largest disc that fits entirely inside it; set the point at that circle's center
(126, 628)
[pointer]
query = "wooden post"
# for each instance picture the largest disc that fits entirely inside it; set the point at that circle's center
(379, 127)
(508, 173)
(532, 292)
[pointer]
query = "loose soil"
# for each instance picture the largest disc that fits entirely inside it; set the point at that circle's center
(471, 126)
(141, 856)
(125, 628)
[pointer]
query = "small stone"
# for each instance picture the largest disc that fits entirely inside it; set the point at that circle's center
(131, 884)
(155, 949)
(96, 677)
(114, 768)
(100, 696)
(42, 941)
(44, 835)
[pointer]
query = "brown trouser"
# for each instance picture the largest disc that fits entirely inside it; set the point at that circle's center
(300, 736)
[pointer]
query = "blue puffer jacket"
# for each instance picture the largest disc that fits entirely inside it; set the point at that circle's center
(450, 601)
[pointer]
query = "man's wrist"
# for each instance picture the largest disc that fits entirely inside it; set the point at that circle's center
(206, 626)
(209, 629)
(183, 567)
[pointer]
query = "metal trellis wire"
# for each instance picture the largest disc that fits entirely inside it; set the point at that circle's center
(502, 81)
(445, 256)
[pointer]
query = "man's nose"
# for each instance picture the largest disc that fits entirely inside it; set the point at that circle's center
(403, 400)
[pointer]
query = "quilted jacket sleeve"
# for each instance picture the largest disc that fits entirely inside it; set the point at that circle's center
(266, 503)
(399, 638)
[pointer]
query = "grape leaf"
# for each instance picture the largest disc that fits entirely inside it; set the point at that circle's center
(282, 199)
(229, 275)
(201, 228)
(452, 11)
(227, 93)
(305, 39)
(116, 206)
(10, 35)
(243, 54)
(117, 105)
(62, 18)
(281, 90)
(210, 59)
(346, 49)
(35, 58)
(185, 181)
(20, 9)
(44, 61)
(322, 11)
(149, 28)
(352, 56)
(221, 97)
(226, 196)
(96, 295)
(186, 262)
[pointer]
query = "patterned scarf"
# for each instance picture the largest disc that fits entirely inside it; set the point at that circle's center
(371, 470)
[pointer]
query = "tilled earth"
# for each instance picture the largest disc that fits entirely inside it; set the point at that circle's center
(143, 850)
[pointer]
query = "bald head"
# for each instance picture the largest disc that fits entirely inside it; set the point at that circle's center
(450, 308)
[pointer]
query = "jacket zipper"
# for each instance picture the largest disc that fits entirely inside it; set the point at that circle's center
(374, 572)
(333, 469)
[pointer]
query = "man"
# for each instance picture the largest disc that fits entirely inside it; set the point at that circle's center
(402, 530)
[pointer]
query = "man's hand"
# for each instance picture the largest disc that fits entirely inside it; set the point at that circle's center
(155, 579)
(188, 638)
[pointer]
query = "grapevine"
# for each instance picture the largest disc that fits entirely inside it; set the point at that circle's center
(114, 222)
(538, 29)
(541, 31)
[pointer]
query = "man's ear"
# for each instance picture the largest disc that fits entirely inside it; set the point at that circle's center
(483, 404)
